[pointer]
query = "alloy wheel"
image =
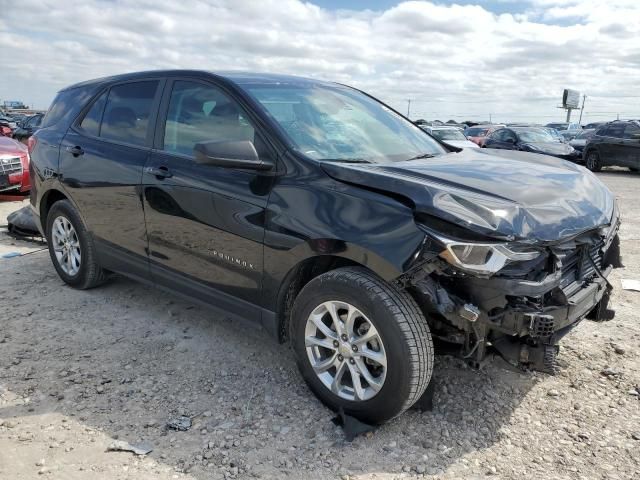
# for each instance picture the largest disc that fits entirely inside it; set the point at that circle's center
(66, 246)
(592, 160)
(345, 351)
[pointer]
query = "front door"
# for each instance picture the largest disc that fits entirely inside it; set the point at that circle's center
(205, 223)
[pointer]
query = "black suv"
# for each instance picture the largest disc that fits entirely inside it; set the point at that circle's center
(616, 143)
(326, 217)
(530, 139)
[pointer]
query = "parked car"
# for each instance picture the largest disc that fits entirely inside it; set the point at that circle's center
(5, 129)
(478, 133)
(451, 136)
(326, 217)
(7, 126)
(567, 130)
(616, 143)
(581, 139)
(593, 125)
(27, 127)
(9, 121)
(14, 167)
(530, 139)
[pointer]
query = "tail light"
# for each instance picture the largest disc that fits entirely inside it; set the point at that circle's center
(31, 144)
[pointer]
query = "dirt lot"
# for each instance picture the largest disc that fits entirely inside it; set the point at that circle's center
(80, 369)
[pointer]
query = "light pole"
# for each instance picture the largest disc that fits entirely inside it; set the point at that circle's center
(408, 107)
(584, 97)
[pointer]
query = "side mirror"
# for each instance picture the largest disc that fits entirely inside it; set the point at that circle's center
(233, 154)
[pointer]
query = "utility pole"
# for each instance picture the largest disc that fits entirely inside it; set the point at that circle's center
(408, 107)
(584, 97)
(490, 121)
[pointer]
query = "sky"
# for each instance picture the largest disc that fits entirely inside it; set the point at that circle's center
(463, 60)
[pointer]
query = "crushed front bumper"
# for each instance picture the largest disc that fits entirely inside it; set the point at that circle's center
(522, 319)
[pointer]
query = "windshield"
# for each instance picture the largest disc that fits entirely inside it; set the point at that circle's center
(336, 123)
(476, 132)
(534, 136)
(584, 134)
(448, 134)
(558, 126)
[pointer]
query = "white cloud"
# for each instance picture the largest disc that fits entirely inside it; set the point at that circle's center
(452, 61)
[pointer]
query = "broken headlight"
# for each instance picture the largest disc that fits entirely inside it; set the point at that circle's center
(485, 258)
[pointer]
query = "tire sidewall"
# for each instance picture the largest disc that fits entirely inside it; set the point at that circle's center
(64, 209)
(389, 401)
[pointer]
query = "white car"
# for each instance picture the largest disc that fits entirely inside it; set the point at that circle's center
(451, 136)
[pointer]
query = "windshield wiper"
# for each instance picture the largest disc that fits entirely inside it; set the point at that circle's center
(346, 160)
(422, 155)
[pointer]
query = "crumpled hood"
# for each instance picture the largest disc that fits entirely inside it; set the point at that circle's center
(555, 148)
(501, 194)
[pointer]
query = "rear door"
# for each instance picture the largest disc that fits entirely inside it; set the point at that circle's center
(614, 147)
(205, 223)
(631, 145)
(101, 162)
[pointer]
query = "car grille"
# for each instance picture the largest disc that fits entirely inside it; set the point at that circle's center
(10, 165)
(577, 266)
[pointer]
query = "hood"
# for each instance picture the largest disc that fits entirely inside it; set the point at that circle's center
(555, 148)
(460, 143)
(9, 146)
(501, 194)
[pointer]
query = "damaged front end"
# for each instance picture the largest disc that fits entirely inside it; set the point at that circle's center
(519, 298)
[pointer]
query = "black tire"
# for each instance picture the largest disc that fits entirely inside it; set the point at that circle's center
(90, 274)
(592, 161)
(401, 325)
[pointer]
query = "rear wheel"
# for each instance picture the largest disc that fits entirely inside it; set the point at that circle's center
(592, 161)
(361, 344)
(71, 247)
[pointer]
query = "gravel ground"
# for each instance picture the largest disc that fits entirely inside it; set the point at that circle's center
(81, 369)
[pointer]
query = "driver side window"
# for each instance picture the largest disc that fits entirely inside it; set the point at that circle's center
(202, 113)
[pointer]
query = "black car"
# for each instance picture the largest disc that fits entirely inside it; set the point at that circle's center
(326, 217)
(26, 128)
(530, 139)
(616, 143)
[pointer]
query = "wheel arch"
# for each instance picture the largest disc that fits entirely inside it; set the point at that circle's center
(295, 280)
(50, 197)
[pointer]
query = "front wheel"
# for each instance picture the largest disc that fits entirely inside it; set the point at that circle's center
(592, 161)
(361, 344)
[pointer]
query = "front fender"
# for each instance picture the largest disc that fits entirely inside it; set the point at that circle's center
(304, 221)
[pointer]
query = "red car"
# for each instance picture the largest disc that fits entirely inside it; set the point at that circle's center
(14, 167)
(478, 133)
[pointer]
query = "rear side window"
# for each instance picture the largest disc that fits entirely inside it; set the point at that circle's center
(616, 130)
(127, 111)
(632, 131)
(61, 105)
(91, 122)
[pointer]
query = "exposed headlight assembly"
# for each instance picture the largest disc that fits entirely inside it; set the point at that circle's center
(485, 258)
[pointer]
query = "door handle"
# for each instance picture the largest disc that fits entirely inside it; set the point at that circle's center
(159, 172)
(75, 151)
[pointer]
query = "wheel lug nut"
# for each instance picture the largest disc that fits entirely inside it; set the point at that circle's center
(354, 348)
(340, 357)
(336, 344)
(344, 337)
(352, 361)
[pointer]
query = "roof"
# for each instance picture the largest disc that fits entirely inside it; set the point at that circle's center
(237, 77)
